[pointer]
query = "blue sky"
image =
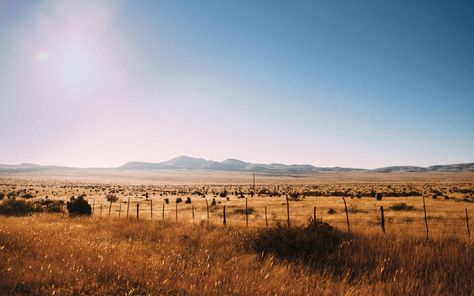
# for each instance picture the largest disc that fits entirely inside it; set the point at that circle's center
(330, 83)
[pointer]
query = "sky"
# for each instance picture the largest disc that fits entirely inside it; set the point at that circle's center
(330, 83)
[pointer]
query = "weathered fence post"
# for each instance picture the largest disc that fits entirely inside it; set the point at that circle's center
(120, 209)
(176, 211)
(288, 210)
(266, 217)
(151, 209)
(467, 224)
(128, 205)
(138, 210)
(110, 208)
(93, 206)
(347, 215)
(246, 213)
(101, 210)
(207, 207)
(225, 222)
(192, 210)
(426, 219)
(314, 215)
(382, 219)
(163, 213)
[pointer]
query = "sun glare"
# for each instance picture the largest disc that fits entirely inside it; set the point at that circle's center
(42, 56)
(77, 67)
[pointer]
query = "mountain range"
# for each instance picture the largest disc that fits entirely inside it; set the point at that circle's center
(235, 165)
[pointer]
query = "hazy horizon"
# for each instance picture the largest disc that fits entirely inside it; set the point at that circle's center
(362, 85)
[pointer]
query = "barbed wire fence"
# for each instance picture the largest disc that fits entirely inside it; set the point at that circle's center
(347, 216)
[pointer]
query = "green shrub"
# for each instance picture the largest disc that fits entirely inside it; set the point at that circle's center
(79, 206)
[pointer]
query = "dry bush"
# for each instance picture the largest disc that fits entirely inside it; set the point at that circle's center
(15, 207)
(402, 207)
(311, 243)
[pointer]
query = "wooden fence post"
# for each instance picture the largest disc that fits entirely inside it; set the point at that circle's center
(128, 205)
(110, 208)
(382, 219)
(266, 217)
(163, 213)
(288, 210)
(467, 224)
(151, 209)
(101, 210)
(314, 216)
(426, 219)
(207, 207)
(225, 222)
(138, 210)
(246, 213)
(176, 211)
(192, 209)
(120, 209)
(93, 206)
(347, 215)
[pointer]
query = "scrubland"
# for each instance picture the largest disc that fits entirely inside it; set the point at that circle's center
(52, 253)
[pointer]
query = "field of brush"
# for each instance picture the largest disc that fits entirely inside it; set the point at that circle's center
(171, 239)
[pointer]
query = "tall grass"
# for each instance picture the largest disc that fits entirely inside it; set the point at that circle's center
(47, 254)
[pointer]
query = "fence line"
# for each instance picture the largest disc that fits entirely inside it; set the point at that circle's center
(354, 216)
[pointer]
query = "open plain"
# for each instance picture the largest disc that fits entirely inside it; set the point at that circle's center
(203, 235)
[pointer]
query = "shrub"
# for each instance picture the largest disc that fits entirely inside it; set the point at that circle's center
(295, 196)
(402, 207)
(331, 211)
(27, 196)
(223, 194)
(179, 200)
(111, 198)
(213, 202)
(2, 195)
(188, 200)
(250, 211)
(14, 207)
(167, 200)
(311, 243)
(79, 206)
(52, 206)
(379, 196)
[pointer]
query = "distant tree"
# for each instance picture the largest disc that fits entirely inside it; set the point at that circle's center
(111, 198)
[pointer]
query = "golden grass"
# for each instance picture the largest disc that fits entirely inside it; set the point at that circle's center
(50, 254)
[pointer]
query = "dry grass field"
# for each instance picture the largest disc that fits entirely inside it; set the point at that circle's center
(177, 249)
